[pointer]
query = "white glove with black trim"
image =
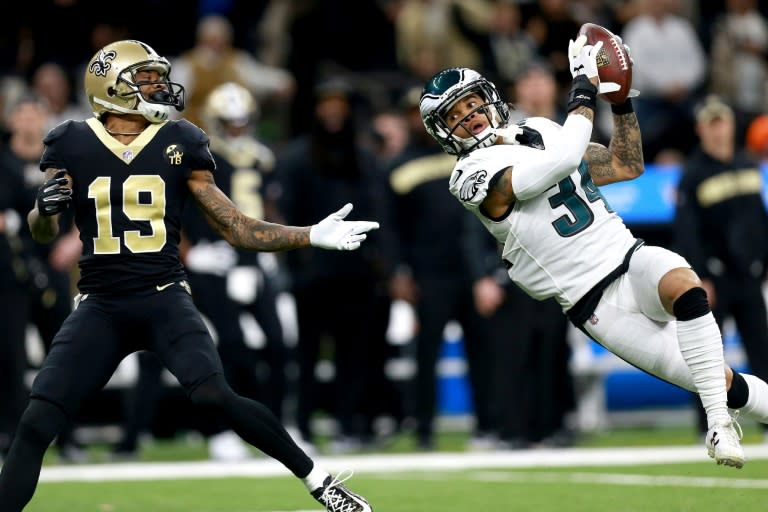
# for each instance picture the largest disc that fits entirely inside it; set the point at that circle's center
(583, 61)
(335, 233)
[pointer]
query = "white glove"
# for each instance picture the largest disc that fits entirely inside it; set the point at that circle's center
(583, 57)
(333, 232)
(583, 61)
(508, 134)
(206, 258)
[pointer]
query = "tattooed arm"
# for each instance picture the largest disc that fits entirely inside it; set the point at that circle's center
(500, 195)
(237, 228)
(622, 160)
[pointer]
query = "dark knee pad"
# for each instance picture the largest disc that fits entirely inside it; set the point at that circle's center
(212, 392)
(692, 304)
(41, 422)
(739, 392)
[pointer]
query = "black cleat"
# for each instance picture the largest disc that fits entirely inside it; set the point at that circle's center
(337, 498)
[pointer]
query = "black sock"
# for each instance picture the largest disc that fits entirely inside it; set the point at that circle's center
(253, 422)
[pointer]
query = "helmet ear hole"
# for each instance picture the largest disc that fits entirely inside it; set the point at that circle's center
(111, 91)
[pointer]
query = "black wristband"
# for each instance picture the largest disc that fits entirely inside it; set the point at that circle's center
(622, 108)
(583, 92)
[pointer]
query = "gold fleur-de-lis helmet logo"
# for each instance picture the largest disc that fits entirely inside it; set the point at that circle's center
(174, 154)
(101, 64)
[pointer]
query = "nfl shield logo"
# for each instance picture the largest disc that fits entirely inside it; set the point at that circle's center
(127, 155)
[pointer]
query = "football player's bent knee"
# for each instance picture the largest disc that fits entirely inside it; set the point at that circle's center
(41, 422)
(691, 304)
(213, 392)
(675, 283)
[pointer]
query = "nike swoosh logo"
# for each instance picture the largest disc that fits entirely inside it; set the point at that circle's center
(163, 287)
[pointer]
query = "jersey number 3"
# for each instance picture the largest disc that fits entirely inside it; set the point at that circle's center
(581, 215)
(152, 211)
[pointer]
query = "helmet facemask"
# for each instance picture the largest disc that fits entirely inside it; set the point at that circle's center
(111, 83)
(437, 100)
(485, 138)
(155, 106)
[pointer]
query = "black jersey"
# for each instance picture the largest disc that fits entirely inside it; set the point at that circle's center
(128, 199)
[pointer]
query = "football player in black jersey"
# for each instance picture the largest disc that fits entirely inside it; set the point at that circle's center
(127, 173)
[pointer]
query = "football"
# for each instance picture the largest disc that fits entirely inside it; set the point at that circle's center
(613, 63)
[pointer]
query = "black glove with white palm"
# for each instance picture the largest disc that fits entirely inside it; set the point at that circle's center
(54, 195)
(335, 233)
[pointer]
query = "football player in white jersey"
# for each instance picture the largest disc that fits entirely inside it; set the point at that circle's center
(534, 186)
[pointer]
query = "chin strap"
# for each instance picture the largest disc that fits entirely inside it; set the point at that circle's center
(153, 112)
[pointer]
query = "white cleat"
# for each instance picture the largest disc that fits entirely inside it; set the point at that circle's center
(723, 443)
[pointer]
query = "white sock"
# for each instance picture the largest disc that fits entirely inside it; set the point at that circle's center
(702, 347)
(756, 407)
(314, 480)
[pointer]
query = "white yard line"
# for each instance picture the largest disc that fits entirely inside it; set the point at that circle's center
(623, 479)
(370, 464)
(590, 478)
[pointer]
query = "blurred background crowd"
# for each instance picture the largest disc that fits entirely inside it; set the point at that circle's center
(314, 103)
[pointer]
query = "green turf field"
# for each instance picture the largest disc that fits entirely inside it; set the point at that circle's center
(597, 486)
(657, 488)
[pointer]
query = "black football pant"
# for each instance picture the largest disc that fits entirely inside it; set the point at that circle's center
(338, 309)
(272, 359)
(440, 301)
(13, 362)
(533, 387)
(50, 304)
(86, 352)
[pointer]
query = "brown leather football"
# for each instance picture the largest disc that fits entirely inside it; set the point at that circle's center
(613, 63)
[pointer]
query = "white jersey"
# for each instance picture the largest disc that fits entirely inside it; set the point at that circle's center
(557, 244)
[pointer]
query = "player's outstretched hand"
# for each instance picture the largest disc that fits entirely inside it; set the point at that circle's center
(583, 61)
(54, 195)
(583, 57)
(335, 233)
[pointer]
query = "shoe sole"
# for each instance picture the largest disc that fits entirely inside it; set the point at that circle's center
(734, 461)
(731, 462)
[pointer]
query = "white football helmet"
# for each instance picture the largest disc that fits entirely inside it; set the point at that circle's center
(229, 116)
(447, 87)
(229, 103)
(111, 86)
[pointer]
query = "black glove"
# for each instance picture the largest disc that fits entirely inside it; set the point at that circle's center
(54, 196)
